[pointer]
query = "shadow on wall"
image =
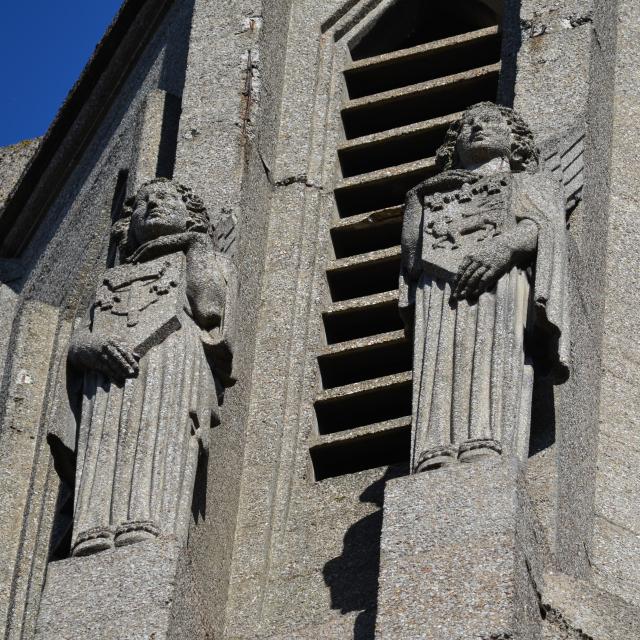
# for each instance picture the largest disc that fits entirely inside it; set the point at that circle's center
(352, 577)
(511, 44)
(199, 503)
(543, 416)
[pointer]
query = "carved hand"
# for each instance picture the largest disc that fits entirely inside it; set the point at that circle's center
(480, 270)
(113, 359)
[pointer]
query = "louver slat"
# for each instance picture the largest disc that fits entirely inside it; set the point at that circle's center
(398, 108)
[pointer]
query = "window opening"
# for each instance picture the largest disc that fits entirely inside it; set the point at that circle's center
(411, 73)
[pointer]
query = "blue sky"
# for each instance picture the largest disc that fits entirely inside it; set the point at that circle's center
(44, 45)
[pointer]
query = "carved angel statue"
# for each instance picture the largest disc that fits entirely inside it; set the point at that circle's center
(156, 356)
(483, 289)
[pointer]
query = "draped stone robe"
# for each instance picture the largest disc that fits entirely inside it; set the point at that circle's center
(473, 360)
(138, 442)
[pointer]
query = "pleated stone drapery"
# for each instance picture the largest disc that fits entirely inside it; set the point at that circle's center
(138, 444)
(471, 380)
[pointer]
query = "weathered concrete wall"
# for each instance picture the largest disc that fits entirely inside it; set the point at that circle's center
(578, 400)
(564, 79)
(306, 553)
(61, 266)
(615, 551)
(13, 160)
(275, 554)
(229, 122)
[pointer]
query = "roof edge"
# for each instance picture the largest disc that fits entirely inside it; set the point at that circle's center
(66, 117)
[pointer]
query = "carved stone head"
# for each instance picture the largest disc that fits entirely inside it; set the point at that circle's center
(158, 210)
(160, 207)
(486, 131)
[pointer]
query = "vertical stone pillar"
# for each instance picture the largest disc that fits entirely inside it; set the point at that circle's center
(457, 556)
(26, 396)
(615, 549)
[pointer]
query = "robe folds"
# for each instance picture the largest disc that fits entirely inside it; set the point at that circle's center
(473, 360)
(138, 441)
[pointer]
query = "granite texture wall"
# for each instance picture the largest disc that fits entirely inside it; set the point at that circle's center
(555, 95)
(308, 552)
(616, 542)
(13, 160)
(242, 101)
(65, 255)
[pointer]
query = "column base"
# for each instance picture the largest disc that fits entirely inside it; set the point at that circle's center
(119, 594)
(456, 557)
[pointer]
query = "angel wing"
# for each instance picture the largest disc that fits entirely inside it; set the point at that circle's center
(564, 157)
(219, 343)
(224, 232)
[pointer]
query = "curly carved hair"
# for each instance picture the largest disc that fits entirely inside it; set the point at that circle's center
(198, 218)
(524, 153)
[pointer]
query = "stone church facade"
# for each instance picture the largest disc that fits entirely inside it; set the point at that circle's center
(318, 320)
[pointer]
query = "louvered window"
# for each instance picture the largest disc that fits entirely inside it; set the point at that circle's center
(408, 79)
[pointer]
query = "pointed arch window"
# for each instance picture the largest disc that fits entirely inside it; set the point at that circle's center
(411, 71)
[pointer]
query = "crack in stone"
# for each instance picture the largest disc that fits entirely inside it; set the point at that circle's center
(553, 616)
(534, 28)
(289, 180)
(578, 20)
(301, 179)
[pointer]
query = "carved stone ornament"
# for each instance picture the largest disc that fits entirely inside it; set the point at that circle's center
(155, 356)
(483, 289)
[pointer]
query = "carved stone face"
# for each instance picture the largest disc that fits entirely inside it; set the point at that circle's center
(159, 210)
(484, 136)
